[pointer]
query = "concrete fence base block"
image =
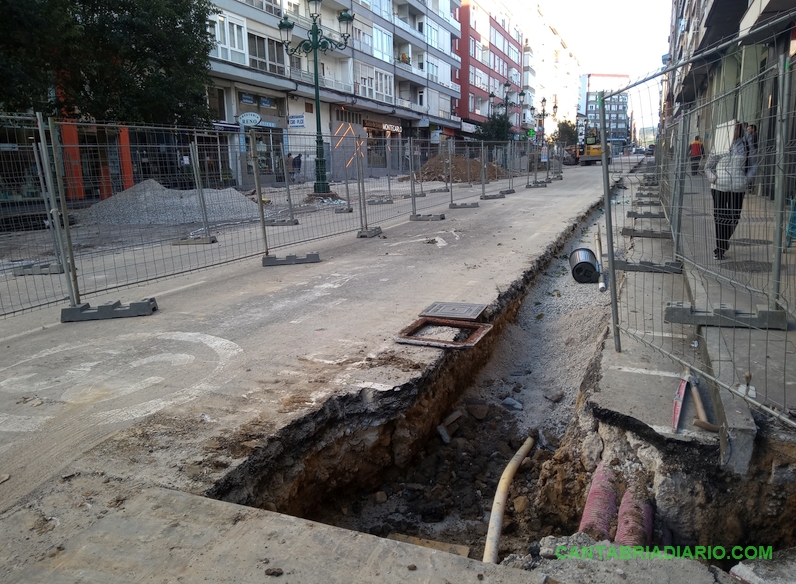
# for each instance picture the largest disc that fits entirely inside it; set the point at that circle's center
(38, 269)
(445, 190)
(366, 233)
(536, 186)
(507, 192)
(466, 186)
(463, 206)
(646, 215)
(195, 240)
(280, 222)
(725, 315)
(384, 202)
(310, 258)
(344, 210)
(420, 196)
(647, 233)
(439, 217)
(490, 197)
(83, 312)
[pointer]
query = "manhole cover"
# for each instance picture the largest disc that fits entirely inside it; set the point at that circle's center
(746, 241)
(458, 310)
(748, 266)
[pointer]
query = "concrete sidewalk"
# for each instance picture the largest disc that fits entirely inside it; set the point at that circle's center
(111, 431)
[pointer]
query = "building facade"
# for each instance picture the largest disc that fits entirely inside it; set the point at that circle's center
(491, 56)
(618, 117)
(395, 78)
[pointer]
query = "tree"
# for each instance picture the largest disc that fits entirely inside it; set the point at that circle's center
(117, 60)
(566, 133)
(497, 128)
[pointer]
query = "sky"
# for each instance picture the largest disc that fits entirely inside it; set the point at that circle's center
(613, 36)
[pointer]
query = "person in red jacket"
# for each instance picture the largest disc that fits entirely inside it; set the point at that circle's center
(697, 154)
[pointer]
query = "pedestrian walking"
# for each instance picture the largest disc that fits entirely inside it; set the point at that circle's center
(289, 165)
(697, 154)
(751, 159)
(729, 174)
(297, 166)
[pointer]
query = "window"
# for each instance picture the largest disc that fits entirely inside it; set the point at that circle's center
(295, 62)
(230, 34)
(269, 6)
(382, 44)
(216, 101)
(472, 47)
(364, 79)
(421, 97)
(383, 86)
(472, 75)
(432, 35)
(472, 103)
(514, 53)
(266, 54)
(309, 107)
(293, 7)
(433, 71)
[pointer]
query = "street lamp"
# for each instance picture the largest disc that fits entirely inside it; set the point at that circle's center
(316, 41)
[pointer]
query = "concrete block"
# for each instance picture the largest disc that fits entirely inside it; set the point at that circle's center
(463, 206)
(33, 269)
(366, 233)
(439, 217)
(507, 192)
(489, 197)
(195, 240)
(84, 312)
(280, 222)
(310, 258)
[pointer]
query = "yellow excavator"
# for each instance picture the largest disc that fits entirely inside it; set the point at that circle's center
(591, 151)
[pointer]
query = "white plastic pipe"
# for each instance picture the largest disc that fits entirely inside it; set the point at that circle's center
(499, 505)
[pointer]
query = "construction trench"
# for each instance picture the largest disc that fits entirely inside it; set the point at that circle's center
(423, 460)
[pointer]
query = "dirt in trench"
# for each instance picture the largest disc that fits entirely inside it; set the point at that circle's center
(529, 387)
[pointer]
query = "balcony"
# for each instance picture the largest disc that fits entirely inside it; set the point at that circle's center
(406, 27)
(403, 103)
(455, 118)
(327, 82)
(456, 57)
(455, 87)
(410, 68)
(360, 46)
(306, 22)
(419, 108)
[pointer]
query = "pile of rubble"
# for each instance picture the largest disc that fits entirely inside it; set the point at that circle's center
(436, 169)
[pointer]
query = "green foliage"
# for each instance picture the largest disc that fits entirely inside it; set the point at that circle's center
(117, 60)
(496, 129)
(566, 133)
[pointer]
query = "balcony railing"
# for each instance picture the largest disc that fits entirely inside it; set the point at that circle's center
(419, 108)
(405, 26)
(306, 22)
(403, 103)
(456, 57)
(327, 82)
(455, 118)
(456, 87)
(364, 47)
(410, 68)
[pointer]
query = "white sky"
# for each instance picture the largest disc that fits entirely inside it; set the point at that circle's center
(613, 36)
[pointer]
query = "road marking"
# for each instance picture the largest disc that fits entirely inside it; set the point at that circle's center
(22, 334)
(9, 423)
(646, 371)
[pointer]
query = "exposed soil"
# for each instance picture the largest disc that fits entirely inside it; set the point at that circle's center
(436, 169)
(539, 365)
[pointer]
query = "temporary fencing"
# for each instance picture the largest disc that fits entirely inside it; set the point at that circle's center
(706, 269)
(147, 202)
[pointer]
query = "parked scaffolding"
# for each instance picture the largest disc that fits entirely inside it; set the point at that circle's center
(146, 202)
(706, 240)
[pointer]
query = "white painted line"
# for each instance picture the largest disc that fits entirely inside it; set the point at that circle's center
(180, 289)
(9, 423)
(41, 328)
(646, 371)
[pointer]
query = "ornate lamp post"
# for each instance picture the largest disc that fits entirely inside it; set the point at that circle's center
(316, 41)
(542, 115)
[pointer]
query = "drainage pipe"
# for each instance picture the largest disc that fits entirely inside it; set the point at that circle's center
(600, 508)
(498, 506)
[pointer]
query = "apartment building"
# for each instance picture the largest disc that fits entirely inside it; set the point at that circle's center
(551, 71)
(395, 78)
(491, 52)
(618, 117)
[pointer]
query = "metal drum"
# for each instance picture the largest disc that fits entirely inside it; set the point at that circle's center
(583, 264)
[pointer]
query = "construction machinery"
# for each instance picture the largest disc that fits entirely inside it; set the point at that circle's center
(591, 151)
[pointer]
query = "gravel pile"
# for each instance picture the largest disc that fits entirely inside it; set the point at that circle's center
(150, 203)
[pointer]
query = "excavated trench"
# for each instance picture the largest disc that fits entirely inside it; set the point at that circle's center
(375, 461)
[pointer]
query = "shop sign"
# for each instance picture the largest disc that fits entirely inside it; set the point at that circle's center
(296, 121)
(434, 138)
(392, 128)
(266, 102)
(247, 98)
(266, 124)
(249, 119)
(423, 123)
(468, 127)
(372, 124)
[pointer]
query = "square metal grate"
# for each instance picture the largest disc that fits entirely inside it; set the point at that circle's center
(456, 310)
